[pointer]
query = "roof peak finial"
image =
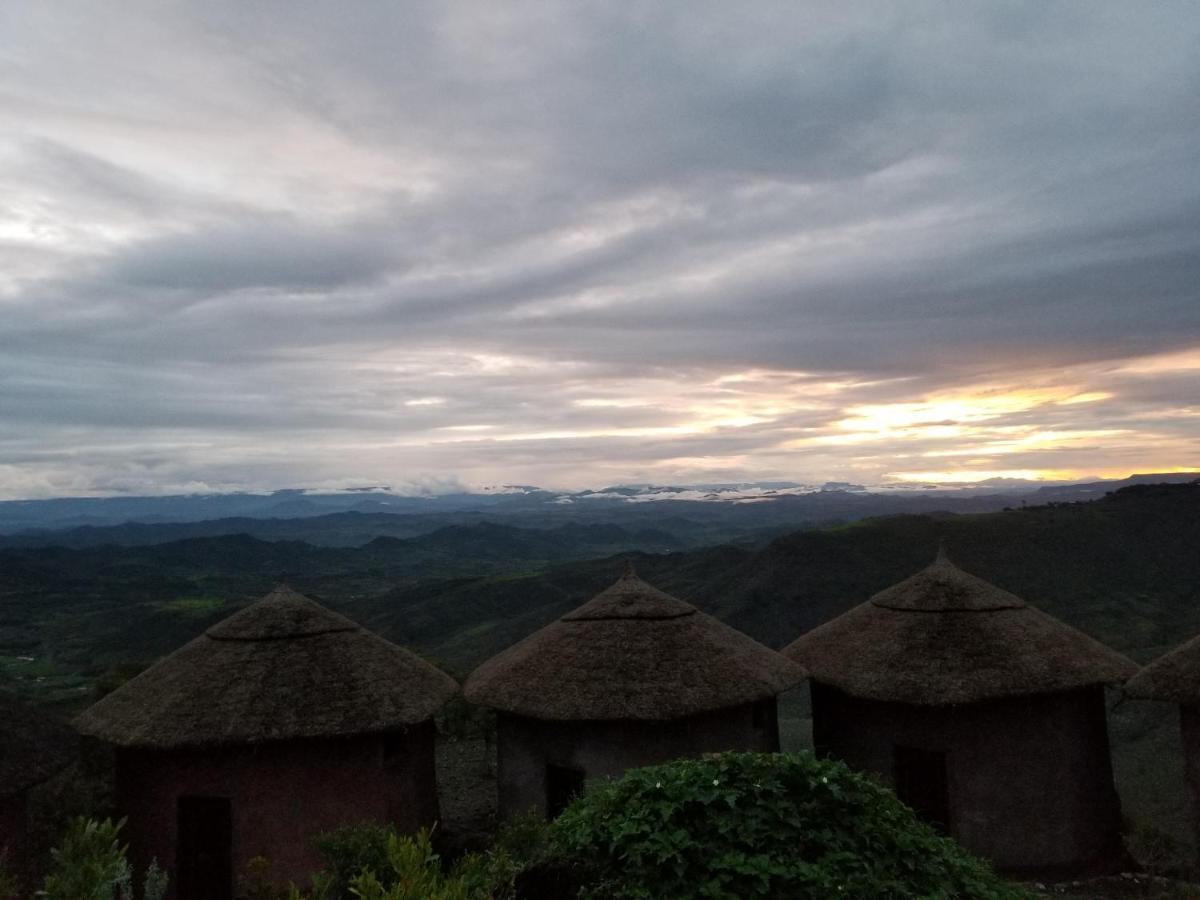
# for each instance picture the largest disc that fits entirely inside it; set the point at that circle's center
(942, 556)
(629, 572)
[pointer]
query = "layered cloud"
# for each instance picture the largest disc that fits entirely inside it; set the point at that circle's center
(580, 243)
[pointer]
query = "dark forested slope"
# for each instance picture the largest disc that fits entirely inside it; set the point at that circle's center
(1125, 568)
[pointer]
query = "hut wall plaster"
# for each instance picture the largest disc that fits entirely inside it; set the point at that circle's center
(1030, 778)
(526, 746)
(282, 794)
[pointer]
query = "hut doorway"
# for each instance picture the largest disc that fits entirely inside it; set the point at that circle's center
(204, 858)
(921, 783)
(563, 784)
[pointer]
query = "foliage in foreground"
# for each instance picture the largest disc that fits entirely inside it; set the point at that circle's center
(749, 825)
(374, 862)
(415, 873)
(8, 880)
(349, 850)
(89, 863)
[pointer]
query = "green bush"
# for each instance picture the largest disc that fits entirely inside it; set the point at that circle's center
(745, 825)
(154, 886)
(351, 849)
(373, 862)
(524, 840)
(88, 863)
(8, 880)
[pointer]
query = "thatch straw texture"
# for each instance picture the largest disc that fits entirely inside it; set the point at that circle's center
(632, 652)
(944, 637)
(1174, 677)
(33, 745)
(282, 668)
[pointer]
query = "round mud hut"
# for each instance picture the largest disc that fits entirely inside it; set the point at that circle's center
(632, 677)
(1175, 678)
(280, 722)
(986, 715)
(34, 746)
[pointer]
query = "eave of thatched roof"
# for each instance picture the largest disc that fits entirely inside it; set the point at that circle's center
(945, 637)
(632, 652)
(283, 668)
(33, 745)
(1174, 677)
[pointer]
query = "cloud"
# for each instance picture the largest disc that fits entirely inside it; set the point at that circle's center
(255, 255)
(613, 242)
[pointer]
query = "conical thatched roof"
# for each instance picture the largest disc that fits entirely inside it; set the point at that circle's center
(281, 668)
(33, 745)
(1174, 677)
(944, 637)
(632, 652)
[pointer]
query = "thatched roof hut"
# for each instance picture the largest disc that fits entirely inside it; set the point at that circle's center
(631, 652)
(283, 721)
(632, 677)
(1174, 677)
(282, 668)
(986, 715)
(943, 636)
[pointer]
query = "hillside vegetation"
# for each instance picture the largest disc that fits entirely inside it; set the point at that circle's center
(1125, 568)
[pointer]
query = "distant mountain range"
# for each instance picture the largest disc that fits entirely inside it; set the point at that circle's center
(353, 517)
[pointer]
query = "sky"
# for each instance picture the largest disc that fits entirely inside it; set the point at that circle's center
(446, 245)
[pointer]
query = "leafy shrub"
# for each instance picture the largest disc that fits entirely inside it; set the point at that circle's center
(745, 825)
(154, 885)
(414, 873)
(8, 880)
(351, 849)
(524, 839)
(89, 863)
(373, 862)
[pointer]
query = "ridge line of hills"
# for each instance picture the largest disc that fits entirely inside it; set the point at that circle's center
(353, 517)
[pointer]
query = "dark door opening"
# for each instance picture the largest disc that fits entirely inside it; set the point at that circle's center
(563, 785)
(921, 783)
(204, 854)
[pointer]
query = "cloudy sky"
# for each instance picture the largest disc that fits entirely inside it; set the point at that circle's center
(256, 245)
